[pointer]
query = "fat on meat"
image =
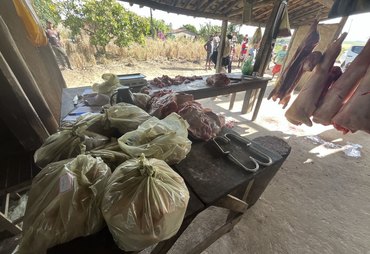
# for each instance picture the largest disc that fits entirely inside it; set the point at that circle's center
(203, 123)
(307, 100)
(355, 113)
(290, 76)
(342, 89)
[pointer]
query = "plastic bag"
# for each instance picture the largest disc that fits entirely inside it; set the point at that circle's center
(111, 82)
(165, 139)
(64, 203)
(141, 100)
(144, 203)
(70, 142)
(125, 117)
(247, 67)
(111, 154)
(31, 22)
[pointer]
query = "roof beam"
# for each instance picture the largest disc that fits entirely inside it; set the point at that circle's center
(326, 3)
(164, 7)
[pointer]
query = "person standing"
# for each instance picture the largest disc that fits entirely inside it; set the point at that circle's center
(54, 40)
(279, 60)
(208, 47)
(244, 50)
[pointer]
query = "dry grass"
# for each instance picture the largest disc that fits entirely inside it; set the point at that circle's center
(83, 55)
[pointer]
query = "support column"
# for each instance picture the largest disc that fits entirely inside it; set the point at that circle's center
(221, 47)
(269, 36)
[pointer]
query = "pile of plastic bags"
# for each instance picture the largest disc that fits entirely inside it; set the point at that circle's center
(143, 201)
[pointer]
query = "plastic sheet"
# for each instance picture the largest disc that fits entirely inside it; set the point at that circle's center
(144, 203)
(64, 203)
(165, 139)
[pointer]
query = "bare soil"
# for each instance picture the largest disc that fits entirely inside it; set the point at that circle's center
(319, 201)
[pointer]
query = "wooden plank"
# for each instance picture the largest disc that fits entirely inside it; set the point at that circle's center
(26, 80)
(17, 111)
(168, 8)
(232, 203)
(326, 3)
(215, 235)
(6, 224)
(40, 60)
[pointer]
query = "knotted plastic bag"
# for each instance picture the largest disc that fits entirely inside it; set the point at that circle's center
(64, 203)
(144, 203)
(70, 142)
(165, 139)
(125, 117)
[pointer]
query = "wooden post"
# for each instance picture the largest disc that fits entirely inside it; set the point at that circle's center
(269, 37)
(221, 47)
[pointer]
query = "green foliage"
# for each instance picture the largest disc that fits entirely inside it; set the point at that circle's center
(160, 25)
(206, 30)
(46, 10)
(190, 28)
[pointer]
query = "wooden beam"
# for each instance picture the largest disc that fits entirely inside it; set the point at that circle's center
(269, 37)
(255, 6)
(20, 69)
(17, 111)
(6, 224)
(326, 3)
(178, 10)
(232, 203)
(227, 227)
(247, 11)
(221, 47)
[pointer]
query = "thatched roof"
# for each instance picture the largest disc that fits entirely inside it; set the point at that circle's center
(301, 12)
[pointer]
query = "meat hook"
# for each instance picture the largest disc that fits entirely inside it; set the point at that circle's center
(231, 157)
(250, 148)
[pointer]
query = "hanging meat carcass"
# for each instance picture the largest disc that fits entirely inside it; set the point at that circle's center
(355, 114)
(322, 77)
(290, 76)
(339, 92)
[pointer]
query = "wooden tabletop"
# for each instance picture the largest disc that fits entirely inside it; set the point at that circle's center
(200, 90)
(212, 176)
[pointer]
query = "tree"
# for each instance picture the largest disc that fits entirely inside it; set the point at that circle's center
(104, 21)
(207, 30)
(46, 10)
(190, 28)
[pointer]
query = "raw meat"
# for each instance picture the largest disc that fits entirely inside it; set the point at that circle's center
(165, 102)
(218, 79)
(341, 90)
(321, 78)
(204, 124)
(178, 80)
(355, 114)
(294, 70)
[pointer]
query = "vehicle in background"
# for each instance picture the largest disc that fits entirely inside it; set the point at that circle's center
(349, 55)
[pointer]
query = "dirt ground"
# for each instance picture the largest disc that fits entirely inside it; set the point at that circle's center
(319, 200)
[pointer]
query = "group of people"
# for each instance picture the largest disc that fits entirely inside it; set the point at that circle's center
(229, 54)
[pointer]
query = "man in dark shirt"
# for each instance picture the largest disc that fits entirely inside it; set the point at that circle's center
(54, 40)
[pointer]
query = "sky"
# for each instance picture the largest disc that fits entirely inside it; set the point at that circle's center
(354, 26)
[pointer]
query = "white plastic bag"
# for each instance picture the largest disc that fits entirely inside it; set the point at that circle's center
(165, 139)
(125, 117)
(144, 203)
(64, 203)
(70, 142)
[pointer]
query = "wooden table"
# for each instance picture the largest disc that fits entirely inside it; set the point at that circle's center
(212, 181)
(200, 90)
